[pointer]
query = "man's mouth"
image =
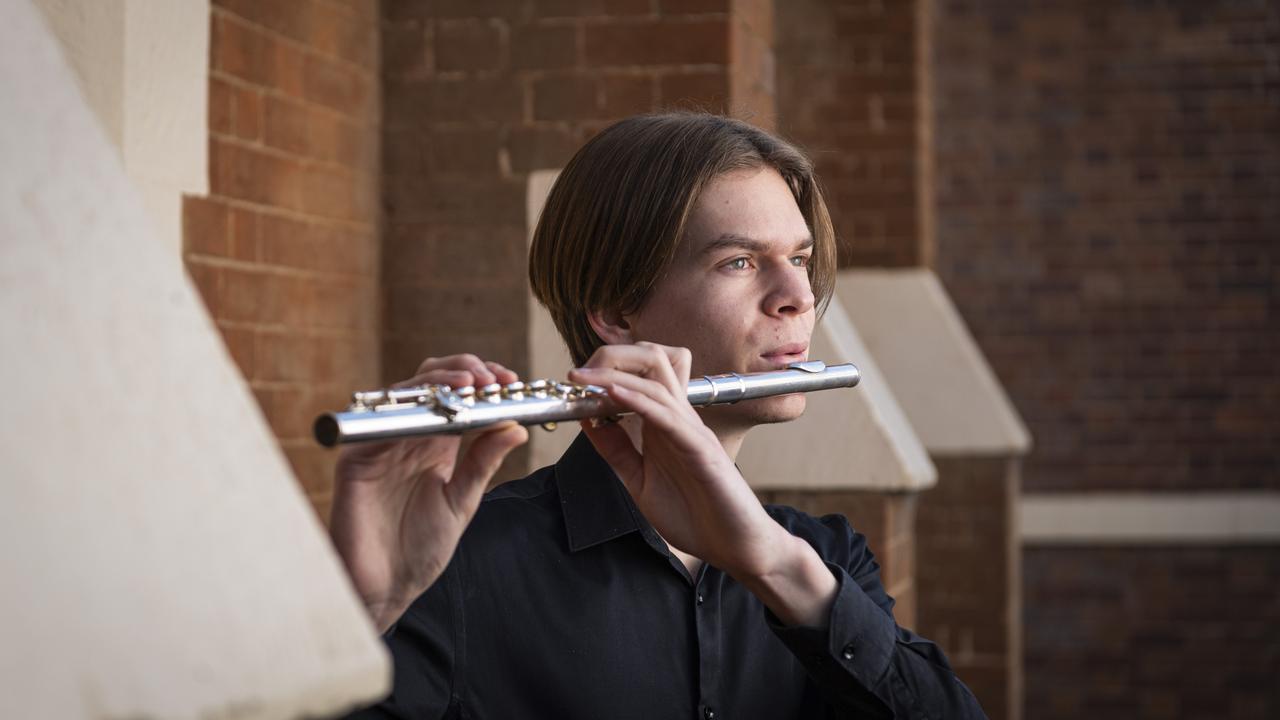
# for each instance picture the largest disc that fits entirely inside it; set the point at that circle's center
(784, 355)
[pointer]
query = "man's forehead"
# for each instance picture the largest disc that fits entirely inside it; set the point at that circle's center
(732, 241)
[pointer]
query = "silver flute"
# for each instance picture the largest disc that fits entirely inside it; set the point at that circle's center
(436, 409)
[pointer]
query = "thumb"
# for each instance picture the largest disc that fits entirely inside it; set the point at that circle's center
(480, 462)
(614, 445)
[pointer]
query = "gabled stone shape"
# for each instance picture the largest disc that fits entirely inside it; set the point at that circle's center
(848, 439)
(160, 561)
(939, 375)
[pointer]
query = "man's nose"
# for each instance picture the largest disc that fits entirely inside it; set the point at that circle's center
(791, 293)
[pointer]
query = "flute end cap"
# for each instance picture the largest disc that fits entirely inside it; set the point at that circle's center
(326, 430)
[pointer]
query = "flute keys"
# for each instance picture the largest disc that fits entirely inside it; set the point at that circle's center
(491, 392)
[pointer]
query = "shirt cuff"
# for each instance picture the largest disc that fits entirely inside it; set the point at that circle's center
(859, 638)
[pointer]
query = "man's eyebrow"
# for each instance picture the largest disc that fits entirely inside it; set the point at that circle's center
(729, 240)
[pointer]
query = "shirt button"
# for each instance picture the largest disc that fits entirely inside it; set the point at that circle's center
(848, 651)
(700, 599)
(708, 713)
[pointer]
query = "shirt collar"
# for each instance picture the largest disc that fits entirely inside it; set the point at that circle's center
(595, 504)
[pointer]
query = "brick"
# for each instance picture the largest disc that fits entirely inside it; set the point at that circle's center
(285, 412)
(406, 54)
(342, 303)
(507, 9)
(240, 344)
(531, 148)
(590, 8)
(703, 90)
(313, 466)
(246, 174)
(476, 309)
(220, 106)
(290, 18)
(238, 50)
(336, 86)
(460, 201)
(470, 45)
(667, 42)
(287, 126)
(342, 34)
(267, 298)
(286, 69)
(348, 363)
(624, 95)
(472, 152)
(329, 193)
(243, 240)
(246, 117)
(692, 7)
(469, 100)
(208, 282)
(205, 226)
(535, 47)
(571, 97)
(283, 357)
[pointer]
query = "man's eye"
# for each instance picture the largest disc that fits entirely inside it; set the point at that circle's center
(737, 264)
(800, 261)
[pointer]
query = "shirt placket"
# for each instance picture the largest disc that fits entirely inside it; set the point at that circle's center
(706, 615)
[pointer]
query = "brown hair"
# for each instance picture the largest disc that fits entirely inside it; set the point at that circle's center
(617, 213)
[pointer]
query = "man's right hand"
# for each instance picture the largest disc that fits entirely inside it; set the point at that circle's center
(400, 506)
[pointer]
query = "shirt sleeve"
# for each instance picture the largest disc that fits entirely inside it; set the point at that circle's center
(425, 651)
(864, 663)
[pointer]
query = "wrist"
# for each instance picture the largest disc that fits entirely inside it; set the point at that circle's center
(384, 614)
(796, 586)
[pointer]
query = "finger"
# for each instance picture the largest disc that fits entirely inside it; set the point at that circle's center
(465, 361)
(480, 462)
(644, 359)
(611, 379)
(452, 378)
(613, 444)
(656, 413)
(500, 372)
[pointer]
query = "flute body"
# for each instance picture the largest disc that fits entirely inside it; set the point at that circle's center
(435, 409)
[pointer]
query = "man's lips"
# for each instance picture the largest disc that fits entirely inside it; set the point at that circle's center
(795, 352)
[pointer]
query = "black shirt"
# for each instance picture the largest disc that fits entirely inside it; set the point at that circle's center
(563, 602)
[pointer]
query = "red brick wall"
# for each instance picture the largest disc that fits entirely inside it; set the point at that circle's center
(968, 556)
(1104, 204)
(1105, 200)
(1152, 632)
(848, 76)
(284, 249)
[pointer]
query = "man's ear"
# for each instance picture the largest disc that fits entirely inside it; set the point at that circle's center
(611, 326)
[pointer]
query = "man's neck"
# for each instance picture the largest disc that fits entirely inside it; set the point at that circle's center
(731, 439)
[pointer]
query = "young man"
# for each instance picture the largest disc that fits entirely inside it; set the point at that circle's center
(639, 576)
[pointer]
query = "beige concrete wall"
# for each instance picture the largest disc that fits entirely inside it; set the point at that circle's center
(160, 561)
(143, 67)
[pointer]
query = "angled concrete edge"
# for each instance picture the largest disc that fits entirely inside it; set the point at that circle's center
(938, 373)
(161, 561)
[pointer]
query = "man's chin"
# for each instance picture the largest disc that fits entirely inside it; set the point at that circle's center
(762, 411)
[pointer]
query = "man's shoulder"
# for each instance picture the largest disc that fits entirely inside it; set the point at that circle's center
(517, 512)
(532, 487)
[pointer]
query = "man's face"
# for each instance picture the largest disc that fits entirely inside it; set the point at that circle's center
(737, 293)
